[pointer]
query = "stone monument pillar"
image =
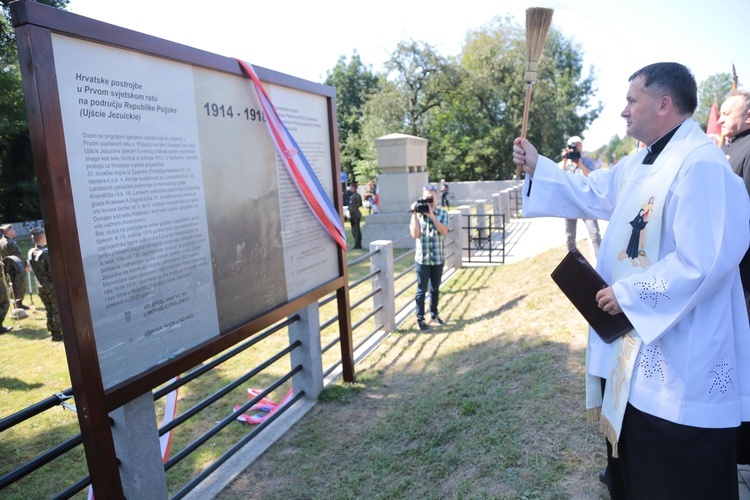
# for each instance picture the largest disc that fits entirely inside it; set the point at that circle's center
(402, 160)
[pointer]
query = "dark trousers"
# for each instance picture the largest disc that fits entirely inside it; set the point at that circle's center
(356, 233)
(743, 434)
(661, 460)
(428, 276)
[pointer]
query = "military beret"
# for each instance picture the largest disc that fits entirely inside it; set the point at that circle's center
(36, 231)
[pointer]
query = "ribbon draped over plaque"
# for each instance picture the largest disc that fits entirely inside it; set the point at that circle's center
(297, 165)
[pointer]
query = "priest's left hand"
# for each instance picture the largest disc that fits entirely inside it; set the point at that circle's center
(607, 302)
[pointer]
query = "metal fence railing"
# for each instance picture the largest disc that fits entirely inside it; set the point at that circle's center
(374, 310)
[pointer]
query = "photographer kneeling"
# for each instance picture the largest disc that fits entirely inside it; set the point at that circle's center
(573, 161)
(428, 226)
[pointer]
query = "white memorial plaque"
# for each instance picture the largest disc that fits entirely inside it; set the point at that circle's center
(189, 225)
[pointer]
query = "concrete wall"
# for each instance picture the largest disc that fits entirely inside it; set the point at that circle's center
(468, 192)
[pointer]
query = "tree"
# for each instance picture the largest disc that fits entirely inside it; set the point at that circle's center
(355, 84)
(713, 88)
(470, 108)
(19, 196)
(476, 129)
(473, 124)
(420, 81)
(383, 114)
(424, 78)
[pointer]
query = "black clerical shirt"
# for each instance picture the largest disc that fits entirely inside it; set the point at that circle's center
(656, 148)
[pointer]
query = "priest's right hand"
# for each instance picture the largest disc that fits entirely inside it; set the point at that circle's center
(525, 154)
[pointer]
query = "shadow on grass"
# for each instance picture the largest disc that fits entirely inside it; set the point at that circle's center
(15, 384)
(499, 418)
(455, 305)
(27, 333)
(503, 308)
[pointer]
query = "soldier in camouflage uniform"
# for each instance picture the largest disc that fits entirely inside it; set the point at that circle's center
(39, 260)
(9, 247)
(4, 302)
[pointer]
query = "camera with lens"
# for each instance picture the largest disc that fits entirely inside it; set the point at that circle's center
(423, 205)
(572, 153)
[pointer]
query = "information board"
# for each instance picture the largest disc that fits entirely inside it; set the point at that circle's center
(188, 223)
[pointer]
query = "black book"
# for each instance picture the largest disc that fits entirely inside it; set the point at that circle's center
(580, 282)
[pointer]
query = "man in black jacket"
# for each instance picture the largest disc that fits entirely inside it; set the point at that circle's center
(734, 119)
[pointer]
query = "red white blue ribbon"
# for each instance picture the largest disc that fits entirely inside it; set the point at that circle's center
(297, 165)
(170, 410)
(263, 409)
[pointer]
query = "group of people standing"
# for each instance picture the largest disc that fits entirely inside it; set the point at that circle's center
(16, 266)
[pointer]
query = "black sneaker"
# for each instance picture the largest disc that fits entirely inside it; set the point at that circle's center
(5, 329)
(436, 319)
(26, 308)
(424, 326)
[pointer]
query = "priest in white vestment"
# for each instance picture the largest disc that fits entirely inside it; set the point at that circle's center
(678, 385)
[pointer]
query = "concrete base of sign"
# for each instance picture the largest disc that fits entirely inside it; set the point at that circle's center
(136, 438)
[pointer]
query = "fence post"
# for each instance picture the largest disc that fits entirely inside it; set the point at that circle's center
(516, 199)
(481, 210)
(496, 203)
(384, 280)
(464, 233)
(309, 355)
(453, 242)
(505, 203)
(136, 439)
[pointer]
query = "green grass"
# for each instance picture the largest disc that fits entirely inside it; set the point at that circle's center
(489, 406)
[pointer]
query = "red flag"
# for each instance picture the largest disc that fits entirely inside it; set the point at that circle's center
(713, 130)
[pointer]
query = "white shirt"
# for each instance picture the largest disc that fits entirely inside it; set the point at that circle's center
(694, 365)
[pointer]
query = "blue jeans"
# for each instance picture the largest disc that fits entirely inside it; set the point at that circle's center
(428, 275)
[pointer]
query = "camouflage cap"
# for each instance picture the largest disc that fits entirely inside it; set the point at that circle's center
(36, 231)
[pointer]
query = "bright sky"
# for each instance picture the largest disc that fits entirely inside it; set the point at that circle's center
(305, 38)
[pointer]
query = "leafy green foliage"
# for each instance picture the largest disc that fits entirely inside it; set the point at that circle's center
(355, 84)
(617, 149)
(19, 198)
(470, 108)
(478, 127)
(425, 79)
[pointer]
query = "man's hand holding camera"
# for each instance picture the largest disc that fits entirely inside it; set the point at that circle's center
(425, 206)
(571, 153)
(571, 156)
